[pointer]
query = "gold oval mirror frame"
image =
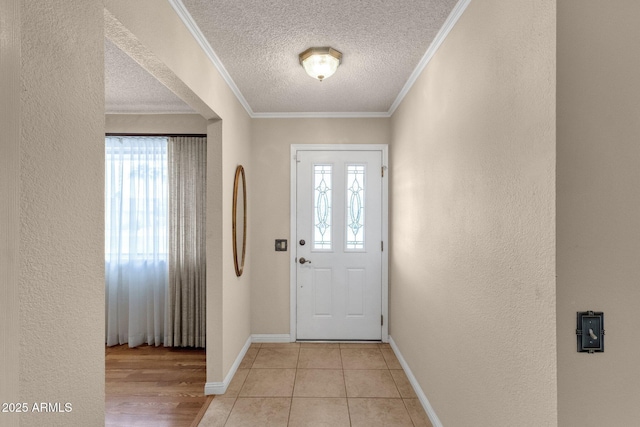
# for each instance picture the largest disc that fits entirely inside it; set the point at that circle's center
(239, 216)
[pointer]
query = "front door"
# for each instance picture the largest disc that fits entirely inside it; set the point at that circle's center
(339, 245)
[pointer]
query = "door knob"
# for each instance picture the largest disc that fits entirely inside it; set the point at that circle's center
(303, 260)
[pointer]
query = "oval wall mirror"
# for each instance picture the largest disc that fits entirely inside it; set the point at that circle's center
(239, 216)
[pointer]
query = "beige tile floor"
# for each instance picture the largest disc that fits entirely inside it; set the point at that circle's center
(317, 384)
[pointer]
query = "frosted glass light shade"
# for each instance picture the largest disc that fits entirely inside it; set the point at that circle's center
(320, 62)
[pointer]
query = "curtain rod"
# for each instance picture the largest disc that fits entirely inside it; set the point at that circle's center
(201, 135)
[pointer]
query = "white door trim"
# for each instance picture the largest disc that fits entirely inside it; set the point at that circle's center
(384, 150)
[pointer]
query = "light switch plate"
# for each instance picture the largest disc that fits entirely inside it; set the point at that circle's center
(590, 332)
(281, 245)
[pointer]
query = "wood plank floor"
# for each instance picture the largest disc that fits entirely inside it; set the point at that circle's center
(154, 386)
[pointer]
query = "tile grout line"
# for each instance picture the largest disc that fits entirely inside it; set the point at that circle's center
(295, 376)
(407, 409)
(344, 380)
(226, 420)
(241, 387)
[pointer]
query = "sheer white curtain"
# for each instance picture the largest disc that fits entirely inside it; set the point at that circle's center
(136, 244)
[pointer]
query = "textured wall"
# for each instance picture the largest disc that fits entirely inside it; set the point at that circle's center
(598, 208)
(270, 218)
(236, 303)
(9, 205)
(472, 219)
(214, 253)
(61, 287)
(158, 29)
(155, 123)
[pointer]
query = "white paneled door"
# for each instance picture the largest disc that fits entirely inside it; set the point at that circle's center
(339, 245)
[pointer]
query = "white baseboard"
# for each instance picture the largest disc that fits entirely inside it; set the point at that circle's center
(271, 338)
(416, 387)
(221, 387)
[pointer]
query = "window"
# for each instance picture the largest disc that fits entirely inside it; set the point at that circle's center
(136, 195)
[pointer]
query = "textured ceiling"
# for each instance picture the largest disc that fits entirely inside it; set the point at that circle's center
(258, 41)
(129, 88)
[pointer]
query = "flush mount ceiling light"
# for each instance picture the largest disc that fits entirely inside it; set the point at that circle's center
(320, 62)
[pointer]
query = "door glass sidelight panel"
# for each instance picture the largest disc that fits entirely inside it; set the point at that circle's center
(355, 207)
(322, 206)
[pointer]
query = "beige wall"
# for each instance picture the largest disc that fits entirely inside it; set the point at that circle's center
(236, 304)
(472, 219)
(158, 28)
(268, 182)
(156, 123)
(52, 208)
(598, 208)
(9, 206)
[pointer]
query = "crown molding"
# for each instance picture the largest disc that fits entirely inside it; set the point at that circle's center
(448, 25)
(322, 115)
(149, 112)
(193, 28)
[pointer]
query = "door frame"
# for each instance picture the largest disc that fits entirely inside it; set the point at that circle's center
(384, 150)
